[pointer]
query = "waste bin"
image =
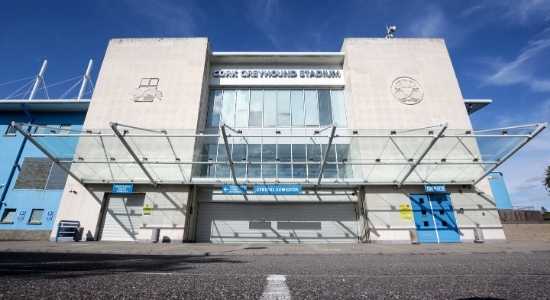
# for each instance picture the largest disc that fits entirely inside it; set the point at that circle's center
(155, 234)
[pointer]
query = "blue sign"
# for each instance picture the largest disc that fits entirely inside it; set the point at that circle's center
(233, 189)
(278, 189)
(434, 189)
(123, 188)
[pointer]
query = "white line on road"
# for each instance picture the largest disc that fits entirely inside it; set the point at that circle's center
(276, 288)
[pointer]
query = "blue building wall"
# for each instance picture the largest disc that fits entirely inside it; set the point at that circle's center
(25, 200)
(500, 192)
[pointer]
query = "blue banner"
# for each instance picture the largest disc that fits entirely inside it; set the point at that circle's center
(232, 189)
(278, 189)
(434, 189)
(123, 188)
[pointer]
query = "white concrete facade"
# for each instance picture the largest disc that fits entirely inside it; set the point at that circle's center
(183, 70)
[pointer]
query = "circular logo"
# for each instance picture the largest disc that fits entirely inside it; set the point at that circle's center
(407, 90)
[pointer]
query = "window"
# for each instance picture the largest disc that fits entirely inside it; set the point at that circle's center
(34, 173)
(10, 130)
(254, 157)
(39, 173)
(338, 108)
(314, 160)
(299, 159)
(8, 216)
(256, 108)
(297, 107)
(215, 108)
(36, 217)
(228, 107)
(272, 160)
(269, 153)
(269, 108)
(325, 112)
(283, 155)
(57, 177)
(283, 108)
(239, 155)
(243, 103)
(311, 108)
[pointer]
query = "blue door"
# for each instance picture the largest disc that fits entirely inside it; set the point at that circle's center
(425, 227)
(434, 218)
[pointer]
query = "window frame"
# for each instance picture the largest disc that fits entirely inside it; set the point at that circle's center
(29, 221)
(5, 214)
(8, 130)
(309, 120)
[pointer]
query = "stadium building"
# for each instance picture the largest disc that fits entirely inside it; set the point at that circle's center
(370, 144)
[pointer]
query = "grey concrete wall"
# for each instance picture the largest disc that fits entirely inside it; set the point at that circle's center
(386, 223)
(179, 63)
(24, 235)
(181, 66)
(371, 65)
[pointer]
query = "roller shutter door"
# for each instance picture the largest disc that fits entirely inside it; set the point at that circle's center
(123, 218)
(279, 223)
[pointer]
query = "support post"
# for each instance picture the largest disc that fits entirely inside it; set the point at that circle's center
(539, 129)
(432, 143)
(39, 79)
(132, 153)
(85, 79)
(28, 136)
(325, 156)
(228, 152)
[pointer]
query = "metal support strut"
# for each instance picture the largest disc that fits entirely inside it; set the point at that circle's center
(539, 129)
(325, 156)
(39, 79)
(45, 151)
(85, 79)
(228, 151)
(432, 143)
(134, 156)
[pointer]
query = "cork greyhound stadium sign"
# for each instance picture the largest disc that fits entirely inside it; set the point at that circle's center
(283, 75)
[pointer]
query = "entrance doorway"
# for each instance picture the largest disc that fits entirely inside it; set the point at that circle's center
(434, 218)
(123, 217)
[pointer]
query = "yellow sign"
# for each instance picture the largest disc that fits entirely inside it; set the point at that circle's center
(405, 211)
(147, 209)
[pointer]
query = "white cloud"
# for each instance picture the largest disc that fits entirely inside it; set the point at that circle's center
(434, 24)
(523, 69)
(264, 14)
(167, 17)
(471, 10)
(524, 172)
(525, 11)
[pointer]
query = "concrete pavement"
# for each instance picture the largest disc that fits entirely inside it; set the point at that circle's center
(267, 249)
(492, 275)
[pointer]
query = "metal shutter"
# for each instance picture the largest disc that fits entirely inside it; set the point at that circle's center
(281, 223)
(123, 218)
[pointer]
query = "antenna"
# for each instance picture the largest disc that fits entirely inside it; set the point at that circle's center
(390, 31)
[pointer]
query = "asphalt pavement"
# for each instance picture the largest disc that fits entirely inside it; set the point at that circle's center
(425, 275)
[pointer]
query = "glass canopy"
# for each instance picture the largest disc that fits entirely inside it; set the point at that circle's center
(309, 156)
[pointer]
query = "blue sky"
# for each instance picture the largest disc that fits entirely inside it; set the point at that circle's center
(500, 49)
